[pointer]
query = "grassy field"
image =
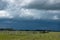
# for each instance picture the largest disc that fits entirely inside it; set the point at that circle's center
(28, 35)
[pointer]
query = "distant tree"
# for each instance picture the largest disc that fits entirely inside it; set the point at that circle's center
(7, 29)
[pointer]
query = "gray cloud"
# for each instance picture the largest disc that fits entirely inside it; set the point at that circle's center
(3, 5)
(44, 5)
(31, 11)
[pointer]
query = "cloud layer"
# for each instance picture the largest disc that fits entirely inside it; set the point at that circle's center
(32, 9)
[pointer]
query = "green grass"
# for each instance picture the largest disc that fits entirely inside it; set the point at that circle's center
(28, 35)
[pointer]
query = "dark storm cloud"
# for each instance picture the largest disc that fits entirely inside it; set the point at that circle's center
(3, 5)
(44, 4)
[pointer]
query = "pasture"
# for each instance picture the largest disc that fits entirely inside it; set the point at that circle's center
(28, 35)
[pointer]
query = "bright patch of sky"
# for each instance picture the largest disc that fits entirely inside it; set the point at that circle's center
(5, 14)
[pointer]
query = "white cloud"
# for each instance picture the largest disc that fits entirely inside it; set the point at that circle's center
(4, 14)
(55, 17)
(25, 2)
(26, 13)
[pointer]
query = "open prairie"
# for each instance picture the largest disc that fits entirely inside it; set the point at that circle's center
(29, 35)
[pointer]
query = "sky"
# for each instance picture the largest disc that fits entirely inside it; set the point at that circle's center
(30, 9)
